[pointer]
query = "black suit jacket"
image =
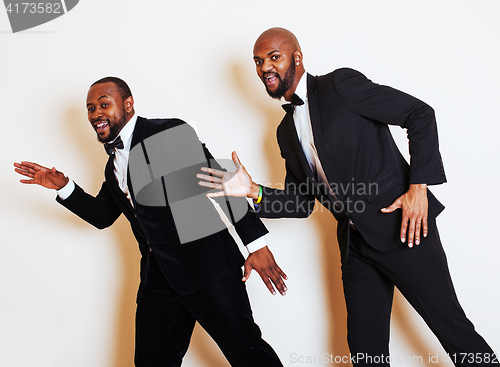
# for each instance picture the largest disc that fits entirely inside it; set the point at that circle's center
(187, 266)
(350, 117)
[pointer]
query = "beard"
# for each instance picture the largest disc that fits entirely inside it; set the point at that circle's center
(284, 84)
(114, 129)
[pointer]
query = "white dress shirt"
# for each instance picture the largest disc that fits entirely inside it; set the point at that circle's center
(121, 157)
(303, 126)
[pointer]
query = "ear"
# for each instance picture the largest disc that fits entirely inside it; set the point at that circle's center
(297, 57)
(128, 104)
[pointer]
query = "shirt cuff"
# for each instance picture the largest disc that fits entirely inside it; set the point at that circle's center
(257, 244)
(67, 190)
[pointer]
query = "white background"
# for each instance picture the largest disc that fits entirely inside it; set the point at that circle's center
(67, 291)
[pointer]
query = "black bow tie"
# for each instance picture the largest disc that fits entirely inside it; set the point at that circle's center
(110, 147)
(296, 101)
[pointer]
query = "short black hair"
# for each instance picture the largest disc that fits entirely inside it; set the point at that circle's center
(123, 88)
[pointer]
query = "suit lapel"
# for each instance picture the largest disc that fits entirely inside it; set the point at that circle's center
(297, 147)
(109, 173)
(139, 132)
(312, 98)
(316, 126)
(138, 135)
(318, 136)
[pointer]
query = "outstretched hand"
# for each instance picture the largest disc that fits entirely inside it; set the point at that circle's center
(262, 261)
(414, 205)
(40, 175)
(238, 183)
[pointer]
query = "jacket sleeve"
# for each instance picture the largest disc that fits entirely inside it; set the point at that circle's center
(100, 211)
(390, 106)
(294, 201)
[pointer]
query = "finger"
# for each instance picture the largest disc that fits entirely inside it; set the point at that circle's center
(392, 207)
(33, 169)
(26, 163)
(411, 233)
(282, 274)
(418, 226)
(30, 164)
(404, 226)
(209, 178)
(274, 273)
(22, 168)
(268, 284)
(215, 194)
(248, 271)
(206, 184)
(212, 171)
(236, 161)
(279, 284)
(23, 172)
(426, 229)
(27, 181)
(277, 275)
(210, 185)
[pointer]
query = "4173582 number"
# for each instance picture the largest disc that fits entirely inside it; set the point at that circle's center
(34, 8)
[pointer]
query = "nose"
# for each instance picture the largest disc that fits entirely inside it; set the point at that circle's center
(96, 115)
(266, 66)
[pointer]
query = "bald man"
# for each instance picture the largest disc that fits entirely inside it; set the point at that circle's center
(338, 149)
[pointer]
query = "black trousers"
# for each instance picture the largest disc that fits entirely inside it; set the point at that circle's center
(421, 274)
(165, 322)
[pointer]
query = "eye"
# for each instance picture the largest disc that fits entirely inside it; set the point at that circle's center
(258, 62)
(91, 109)
(275, 57)
(104, 105)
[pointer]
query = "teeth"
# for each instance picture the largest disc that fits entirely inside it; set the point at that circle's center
(101, 124)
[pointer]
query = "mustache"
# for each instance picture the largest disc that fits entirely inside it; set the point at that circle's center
(100, 120)
(269, 73)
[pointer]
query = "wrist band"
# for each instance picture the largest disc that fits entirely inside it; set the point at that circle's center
(260, 196)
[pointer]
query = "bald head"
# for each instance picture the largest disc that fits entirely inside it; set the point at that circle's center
(278, 59)
(282, 35)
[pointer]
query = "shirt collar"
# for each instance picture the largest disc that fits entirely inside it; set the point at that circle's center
(127, 131)
(301, 89)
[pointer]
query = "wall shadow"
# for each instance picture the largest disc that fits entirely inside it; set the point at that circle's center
(401, 314)
(206, 349)
(124, 315)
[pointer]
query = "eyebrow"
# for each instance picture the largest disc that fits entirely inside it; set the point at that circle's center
(268, 54)
(101, 97)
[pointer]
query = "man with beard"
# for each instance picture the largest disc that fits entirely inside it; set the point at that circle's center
(335, 134)
(190, 270)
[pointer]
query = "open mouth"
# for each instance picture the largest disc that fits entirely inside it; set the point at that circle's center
(271, 79)
(101, 126)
